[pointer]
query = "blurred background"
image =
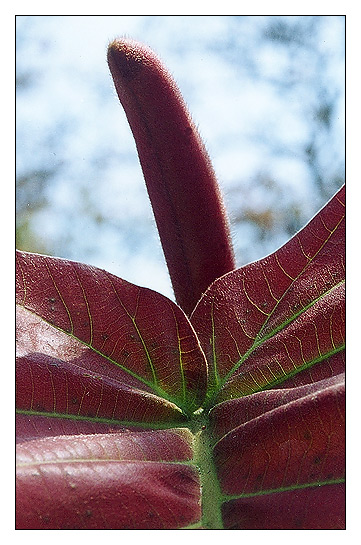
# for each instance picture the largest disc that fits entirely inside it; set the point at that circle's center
(267, 93)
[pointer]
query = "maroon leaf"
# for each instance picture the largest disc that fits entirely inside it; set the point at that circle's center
(29, 427)
(316, 508)
(93, 345)
(278, 317)
(231, 414)
(127, 480)
(247, 465)
(260, 460)
(277, 482)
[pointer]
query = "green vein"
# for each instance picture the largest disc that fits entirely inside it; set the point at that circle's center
(87, 306)
(194, 526)
(61, 298)
(72, 461)
(181, 366)
(293, 280)
(133, 320)
(281, 379)
(149, 359)
(104, 460)
(216, 378)
(306, 365)
(157, 389)
(230, 497)
(295, 315)
(260, 340)
(111, 422)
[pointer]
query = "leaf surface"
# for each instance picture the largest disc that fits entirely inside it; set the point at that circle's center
(316, 442)
(140, 418)
(316, 508)
(119, 481)
(280, 317)
(90, 344)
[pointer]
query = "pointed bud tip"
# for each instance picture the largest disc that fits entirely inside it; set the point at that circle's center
(126, 57)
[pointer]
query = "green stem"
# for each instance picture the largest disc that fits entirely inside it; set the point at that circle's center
(211, 492)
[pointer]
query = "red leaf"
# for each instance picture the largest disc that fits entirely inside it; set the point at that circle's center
(91, 344)
(29, 427)
(316, 508)
(260, 460)
(229, 415)
(302, 443)
(120, 481)
(273, 319)
(286, 456)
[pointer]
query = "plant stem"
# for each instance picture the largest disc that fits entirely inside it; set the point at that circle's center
(211, 492)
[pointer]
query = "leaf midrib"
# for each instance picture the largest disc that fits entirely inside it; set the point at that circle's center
(157, 390)
(229, 497)
(101, 460)
(111, 422)
(259, 340)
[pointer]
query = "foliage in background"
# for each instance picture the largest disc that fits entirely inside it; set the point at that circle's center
(72, 200)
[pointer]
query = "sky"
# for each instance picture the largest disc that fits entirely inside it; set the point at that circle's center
(254, 103)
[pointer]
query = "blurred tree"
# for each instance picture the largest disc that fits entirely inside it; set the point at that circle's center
(297, 61)
(300, 58)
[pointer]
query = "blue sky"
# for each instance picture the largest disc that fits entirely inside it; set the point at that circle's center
(252, 99)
